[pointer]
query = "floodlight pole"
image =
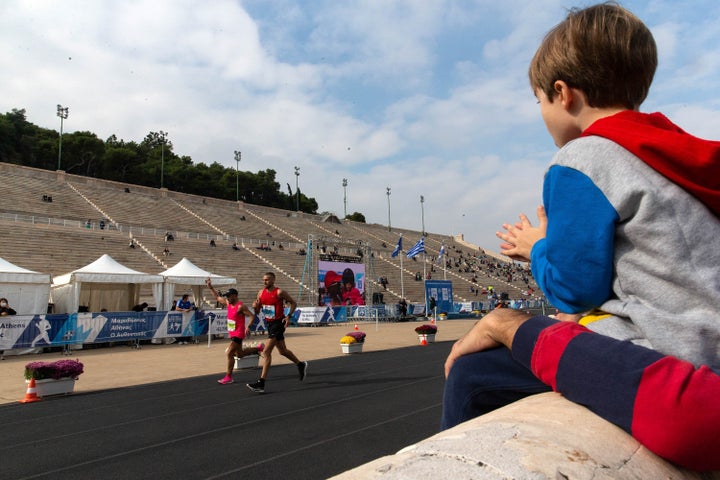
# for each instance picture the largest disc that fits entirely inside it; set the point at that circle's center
(162, 136)
(345, 184)
(63, 114)
(238, 157)
(297, 191)
(387, 191)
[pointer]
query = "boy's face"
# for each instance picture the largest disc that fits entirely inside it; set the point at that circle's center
(558, 121)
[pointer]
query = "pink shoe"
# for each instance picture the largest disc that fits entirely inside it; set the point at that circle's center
(225, 380)
(260, 347)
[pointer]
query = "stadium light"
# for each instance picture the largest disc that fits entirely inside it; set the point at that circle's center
(388, 196)
(63, 114)
(238, 157)
(162, 135)
(297, 191)
(344, 184)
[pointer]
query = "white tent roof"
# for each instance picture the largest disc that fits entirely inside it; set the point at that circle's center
(106, 270)
(11, 273)
(27, 291)
(187, 273)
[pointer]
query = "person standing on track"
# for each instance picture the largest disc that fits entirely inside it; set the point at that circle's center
(238, 329)
(271, 301)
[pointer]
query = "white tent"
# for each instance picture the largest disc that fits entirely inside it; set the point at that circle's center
(27, 291)
(104, 283)
(187, 273)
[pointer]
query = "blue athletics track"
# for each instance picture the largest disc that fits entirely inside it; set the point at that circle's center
(350, 409)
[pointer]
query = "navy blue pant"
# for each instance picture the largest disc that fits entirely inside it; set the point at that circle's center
(481, 382)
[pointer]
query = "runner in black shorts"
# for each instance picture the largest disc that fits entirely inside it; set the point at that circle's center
(271, 301)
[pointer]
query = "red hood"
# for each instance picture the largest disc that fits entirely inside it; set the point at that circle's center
(691, 162)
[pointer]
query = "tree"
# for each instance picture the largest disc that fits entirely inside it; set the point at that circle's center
(24, 143)
(356, 217)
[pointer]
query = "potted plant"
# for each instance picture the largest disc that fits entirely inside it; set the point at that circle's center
(352, 342)
(426, 332)
(53, 378)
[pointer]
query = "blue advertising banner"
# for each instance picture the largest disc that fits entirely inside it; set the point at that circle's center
(31, 331)
(441, 291)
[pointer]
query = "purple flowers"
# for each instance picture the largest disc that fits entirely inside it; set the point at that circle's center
(358, 336)
(426, 329)
(55, 370)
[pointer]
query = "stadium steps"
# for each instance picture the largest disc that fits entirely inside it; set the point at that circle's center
(258, 217)
(93, 204)
(202, 219)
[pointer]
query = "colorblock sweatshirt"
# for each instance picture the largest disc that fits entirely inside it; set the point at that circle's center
(625, 239)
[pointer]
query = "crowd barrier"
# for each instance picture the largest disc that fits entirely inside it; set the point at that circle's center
(34, 331)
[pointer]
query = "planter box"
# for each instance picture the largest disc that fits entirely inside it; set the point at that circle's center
(248, 361)
(351, 347)
(429, 337)
(50, 386)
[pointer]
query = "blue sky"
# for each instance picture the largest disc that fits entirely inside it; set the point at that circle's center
(425, 97)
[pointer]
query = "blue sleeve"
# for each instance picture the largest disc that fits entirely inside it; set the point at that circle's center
(573, 264)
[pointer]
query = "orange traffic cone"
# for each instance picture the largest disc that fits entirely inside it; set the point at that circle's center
(423, 342)
(31, 394)
(356, 327)
(432, 320)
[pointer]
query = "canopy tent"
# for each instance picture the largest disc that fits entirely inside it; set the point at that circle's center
(187, 273)
(27, 291)
(103, 284)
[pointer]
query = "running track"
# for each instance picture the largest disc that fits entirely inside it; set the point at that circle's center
(350, 410)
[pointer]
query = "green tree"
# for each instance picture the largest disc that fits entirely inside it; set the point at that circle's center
(356, 217)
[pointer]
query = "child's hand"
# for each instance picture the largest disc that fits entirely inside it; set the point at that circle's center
(520, 238)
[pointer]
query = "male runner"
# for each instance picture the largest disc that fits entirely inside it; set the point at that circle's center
(271, 301)
(237, 329)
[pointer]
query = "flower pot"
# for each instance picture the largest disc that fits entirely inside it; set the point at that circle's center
(248, 361)
(351, 347)
(50, 386)
(428, 337)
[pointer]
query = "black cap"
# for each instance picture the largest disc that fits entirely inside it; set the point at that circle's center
(232, 291)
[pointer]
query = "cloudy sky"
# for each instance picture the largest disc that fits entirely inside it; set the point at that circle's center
(427, 97)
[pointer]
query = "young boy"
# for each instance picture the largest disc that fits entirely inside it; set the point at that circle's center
(237, 327)
(627, 239)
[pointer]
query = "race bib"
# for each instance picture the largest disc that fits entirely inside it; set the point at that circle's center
(231, 324)
(268, 311)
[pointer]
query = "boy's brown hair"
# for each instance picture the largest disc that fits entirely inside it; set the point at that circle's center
(604, 50)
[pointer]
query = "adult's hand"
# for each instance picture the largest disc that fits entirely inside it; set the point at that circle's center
(496, 329)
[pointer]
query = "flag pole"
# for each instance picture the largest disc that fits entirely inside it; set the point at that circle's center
(402, 281)
(424, 265)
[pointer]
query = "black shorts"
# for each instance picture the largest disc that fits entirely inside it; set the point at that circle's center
(237, 340)
(276, 329)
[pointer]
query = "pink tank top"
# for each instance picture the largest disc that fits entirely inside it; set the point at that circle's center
(235, 321)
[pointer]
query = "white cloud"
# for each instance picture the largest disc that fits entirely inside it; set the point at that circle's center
(430, 98)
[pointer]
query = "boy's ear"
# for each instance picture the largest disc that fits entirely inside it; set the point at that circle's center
(563, 93)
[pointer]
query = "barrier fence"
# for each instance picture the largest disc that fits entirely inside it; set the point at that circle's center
(34, 331)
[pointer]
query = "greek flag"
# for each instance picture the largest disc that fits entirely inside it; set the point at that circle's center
(398, 247)
(417, 249)
(442, 253)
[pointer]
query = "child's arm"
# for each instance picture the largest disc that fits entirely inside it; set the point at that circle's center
(573, 264)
